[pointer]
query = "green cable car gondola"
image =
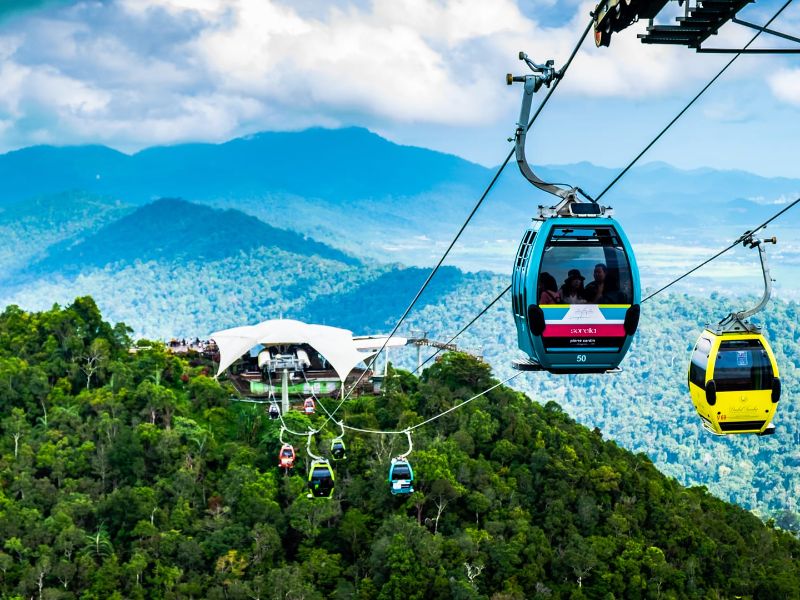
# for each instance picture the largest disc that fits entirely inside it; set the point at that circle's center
(338, 449)
(320, 479)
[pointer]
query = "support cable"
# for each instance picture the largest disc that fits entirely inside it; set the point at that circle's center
(691, 102)
(407, 430)
(463, 329)
(474, 209)
(721, 252)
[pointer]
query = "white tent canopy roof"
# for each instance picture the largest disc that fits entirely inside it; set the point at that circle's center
(336, 345)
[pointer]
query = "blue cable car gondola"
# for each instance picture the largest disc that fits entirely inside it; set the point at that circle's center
(585, 324)
(401, 476)
(575, 328)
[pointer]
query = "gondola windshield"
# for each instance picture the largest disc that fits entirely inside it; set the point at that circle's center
(699, 363)
(592, 264)
(320, 474)
(401, 471)
(742, 365)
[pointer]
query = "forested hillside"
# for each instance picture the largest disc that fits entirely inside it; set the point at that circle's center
(133, 475)
(175, 268)
(173, 230)
(647, 408)
(29, 228)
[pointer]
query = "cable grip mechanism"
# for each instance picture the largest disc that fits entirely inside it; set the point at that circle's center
(544, 74)
(736, 322)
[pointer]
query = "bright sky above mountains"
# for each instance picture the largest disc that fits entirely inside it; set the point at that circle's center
(135, 73)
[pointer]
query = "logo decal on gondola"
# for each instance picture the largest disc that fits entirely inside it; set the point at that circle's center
(583, 331)
(584, 326)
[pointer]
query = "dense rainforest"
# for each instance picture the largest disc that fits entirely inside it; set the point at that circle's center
(134, 475)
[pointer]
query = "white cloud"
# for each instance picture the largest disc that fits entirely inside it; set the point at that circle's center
(136, 72)
(785, 84)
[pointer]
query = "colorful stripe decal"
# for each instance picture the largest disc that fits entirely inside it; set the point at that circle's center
(581, 330)
(610, 312)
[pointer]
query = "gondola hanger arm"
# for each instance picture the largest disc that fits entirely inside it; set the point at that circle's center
(308, 447)
(410, 444)
(543, 75)
(738, 319)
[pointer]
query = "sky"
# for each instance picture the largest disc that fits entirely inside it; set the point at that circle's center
(136, 73)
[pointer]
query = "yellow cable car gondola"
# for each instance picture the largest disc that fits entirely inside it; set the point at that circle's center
(733, 376)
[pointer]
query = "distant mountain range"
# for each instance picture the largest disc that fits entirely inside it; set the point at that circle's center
(368, 197)
(174, 267)
(334, 165)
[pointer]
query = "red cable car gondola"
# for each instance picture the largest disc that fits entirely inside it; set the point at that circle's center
(286, 457)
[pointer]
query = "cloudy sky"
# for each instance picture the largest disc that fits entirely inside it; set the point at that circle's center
(135, 73)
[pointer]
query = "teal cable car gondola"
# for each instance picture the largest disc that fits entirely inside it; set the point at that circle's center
(575, 327)
(401, 476)
(575, 286)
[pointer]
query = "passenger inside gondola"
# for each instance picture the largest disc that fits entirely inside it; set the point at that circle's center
(548, 289)
(572, 291)
(612, 294)
(594, 290)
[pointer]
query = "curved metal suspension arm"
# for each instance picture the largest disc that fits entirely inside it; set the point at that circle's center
(543, 75)
(271, 392)
(762, 255)
(410, 444)
(280, 436)
(308, 447)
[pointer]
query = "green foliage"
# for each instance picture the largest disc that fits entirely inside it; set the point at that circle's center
(154, 485)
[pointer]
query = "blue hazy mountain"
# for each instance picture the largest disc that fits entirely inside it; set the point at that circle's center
(335, 165)
(370, 197)
(381, 202)
(28, 229)
(176, 231)
(345, 166)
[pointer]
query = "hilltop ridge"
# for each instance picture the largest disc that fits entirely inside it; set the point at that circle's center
(172, 229)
